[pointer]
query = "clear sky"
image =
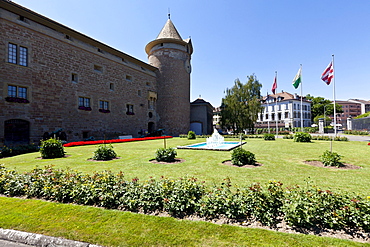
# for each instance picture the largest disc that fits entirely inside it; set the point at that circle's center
(234, 39)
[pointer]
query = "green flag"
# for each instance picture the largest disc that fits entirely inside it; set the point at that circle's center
(297, 79)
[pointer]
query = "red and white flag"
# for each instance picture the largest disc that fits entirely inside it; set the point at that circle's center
(274, 86)
(328, 74)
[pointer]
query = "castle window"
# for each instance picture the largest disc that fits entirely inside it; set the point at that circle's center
(139, 92)
(74, 77)
(98, 68)
(17, 54)
(100, 50)
(84, 103)
(111, 86)
(68, 37)
(17, 94)
(148, 84)
(128, 78)
(130, 109)
(104, 106)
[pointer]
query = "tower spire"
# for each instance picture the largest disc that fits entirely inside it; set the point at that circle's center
(169, 13)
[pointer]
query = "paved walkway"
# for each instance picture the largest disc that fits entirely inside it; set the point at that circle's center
(12, 238)
(350, 137)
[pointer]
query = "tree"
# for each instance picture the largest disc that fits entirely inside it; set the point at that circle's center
(241, 105)
(319, 104)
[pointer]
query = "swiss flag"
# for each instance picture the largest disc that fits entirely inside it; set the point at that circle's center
(328, 74)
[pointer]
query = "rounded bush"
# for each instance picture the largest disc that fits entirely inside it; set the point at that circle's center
(104, 152)
(191, 135)
(331, 159)
(51, 148)
(166, 154)
(269, 137)
(241, 157)
(302, 137)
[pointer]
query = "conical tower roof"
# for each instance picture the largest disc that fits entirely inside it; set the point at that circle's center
(169, 31)
(169, 34)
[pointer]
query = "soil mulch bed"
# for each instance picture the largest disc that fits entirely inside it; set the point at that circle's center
(229, 163)
(91, 159)
(320, 164)
(177, 161)
(41, 158)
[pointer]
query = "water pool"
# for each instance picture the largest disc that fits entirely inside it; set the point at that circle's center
(224, 146)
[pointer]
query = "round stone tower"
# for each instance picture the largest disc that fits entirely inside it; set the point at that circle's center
(171, 55)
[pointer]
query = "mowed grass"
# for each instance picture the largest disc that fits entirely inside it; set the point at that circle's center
(283, 160)
(116, 228)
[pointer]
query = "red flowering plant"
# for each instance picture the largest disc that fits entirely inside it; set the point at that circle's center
(104, 111)
(17, 100)
(81, 143)
(84, 108)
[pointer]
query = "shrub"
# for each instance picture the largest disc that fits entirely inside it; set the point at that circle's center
(331, 159)
(166, 154)
(6, 151)
(269, 137)
(302, 137)
(290, 136)
(104, 152)
(191, 135)
(51, 148)
(241, 157)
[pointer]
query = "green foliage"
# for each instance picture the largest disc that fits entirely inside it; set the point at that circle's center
(191, 135)
(104, 152)
(241, 105)
(241, 157)
(357, 132)
(269, 137)
(290, 136)
(51, 148)
(319, 104)
(329, 138)
(302, 137)
(331, 159)
(269, 203)
(166, 154)
(367, 114)
(7, 151)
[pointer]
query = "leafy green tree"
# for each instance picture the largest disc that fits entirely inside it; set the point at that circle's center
(367, 114)
(319, 104)
(241, 105)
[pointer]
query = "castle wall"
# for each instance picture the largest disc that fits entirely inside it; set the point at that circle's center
(54, 61)
(173, 87)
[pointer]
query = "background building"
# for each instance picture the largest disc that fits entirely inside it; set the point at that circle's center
(286, 109)
(201, 118)
(53, 78)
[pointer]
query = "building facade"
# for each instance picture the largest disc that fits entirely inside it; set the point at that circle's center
(350, 109)
(284, 110)
(55, 78)
(201, 117)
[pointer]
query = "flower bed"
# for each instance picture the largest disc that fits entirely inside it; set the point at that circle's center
(81, 143)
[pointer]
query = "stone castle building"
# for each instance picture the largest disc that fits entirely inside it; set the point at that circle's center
(53, 77)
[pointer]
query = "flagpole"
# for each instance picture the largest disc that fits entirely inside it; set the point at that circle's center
(301, 102)
(267, 111)
(335, 113)
(276, 113)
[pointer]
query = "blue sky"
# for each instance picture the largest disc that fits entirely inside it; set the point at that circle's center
(234, 39)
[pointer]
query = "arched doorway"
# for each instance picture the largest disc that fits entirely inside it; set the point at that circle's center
(151, 127)
(197, 128)
(16, 131)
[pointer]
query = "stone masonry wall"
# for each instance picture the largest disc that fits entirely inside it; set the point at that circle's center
(52, 59)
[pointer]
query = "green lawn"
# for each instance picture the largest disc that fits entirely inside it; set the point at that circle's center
(116, 228)
(282, 161)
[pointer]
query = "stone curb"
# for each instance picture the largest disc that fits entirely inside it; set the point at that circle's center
(40, 240)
